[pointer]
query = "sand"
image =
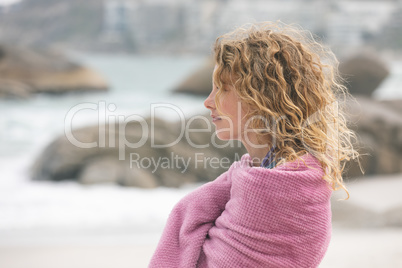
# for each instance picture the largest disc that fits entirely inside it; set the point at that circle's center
(352, 245)
(369, 248)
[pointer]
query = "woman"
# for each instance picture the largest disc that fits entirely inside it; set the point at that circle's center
(277, 91)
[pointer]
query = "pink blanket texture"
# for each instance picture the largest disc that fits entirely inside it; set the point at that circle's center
(251, 217)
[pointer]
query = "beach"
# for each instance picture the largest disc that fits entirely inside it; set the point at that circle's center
(352, 245)
(349, 248)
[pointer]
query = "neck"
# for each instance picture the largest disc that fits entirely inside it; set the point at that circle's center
(256, 151)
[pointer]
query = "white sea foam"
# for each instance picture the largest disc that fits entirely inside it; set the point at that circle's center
(25, 204)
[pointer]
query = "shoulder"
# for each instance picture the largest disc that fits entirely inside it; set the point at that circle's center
(307, 165)
(304, 175)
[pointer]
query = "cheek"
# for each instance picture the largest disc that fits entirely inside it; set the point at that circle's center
(226, 108)
(228, 103)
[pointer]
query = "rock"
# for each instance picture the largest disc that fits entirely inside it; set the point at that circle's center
(14, 89)
(168, 159)
(135, 177)
(173, 178)
(367, 162)
(394, 217)
(374, 202)
(393, 104)
(199, 82)
(347, 214)
(101, 169)
(108, 169)
(24, 72)
(147, 166)
(78, 79)
(363, 73)
(379, 128)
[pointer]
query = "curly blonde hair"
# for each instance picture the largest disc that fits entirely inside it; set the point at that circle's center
(291, 81)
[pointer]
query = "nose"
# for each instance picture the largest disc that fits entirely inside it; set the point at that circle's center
(209, 102)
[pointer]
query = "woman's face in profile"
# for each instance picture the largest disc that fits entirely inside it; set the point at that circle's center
(228, 123)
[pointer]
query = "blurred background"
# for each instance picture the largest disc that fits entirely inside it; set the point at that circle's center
(82, 65)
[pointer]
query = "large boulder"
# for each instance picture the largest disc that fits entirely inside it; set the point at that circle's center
(166, 158)
(199, 82)
(24, 72)
(171, 157)
(363, 73)
(379, 128)
(374, 202)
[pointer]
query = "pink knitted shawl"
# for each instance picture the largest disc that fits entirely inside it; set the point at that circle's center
(251, 217)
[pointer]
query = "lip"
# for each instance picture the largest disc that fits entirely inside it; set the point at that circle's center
(215, 118)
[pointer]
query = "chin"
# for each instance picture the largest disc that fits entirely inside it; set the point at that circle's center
(225, 136)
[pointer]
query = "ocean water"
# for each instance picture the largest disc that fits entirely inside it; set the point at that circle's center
(27, 126)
